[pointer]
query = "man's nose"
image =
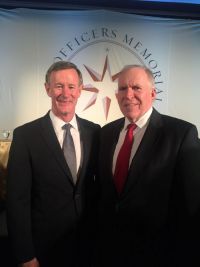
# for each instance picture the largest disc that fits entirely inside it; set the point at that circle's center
(129, 92)
(66, 91)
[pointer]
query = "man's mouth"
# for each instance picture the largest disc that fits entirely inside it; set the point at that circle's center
(130, 104)
(63, 100)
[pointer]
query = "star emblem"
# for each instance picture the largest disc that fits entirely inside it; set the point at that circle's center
(99, 80)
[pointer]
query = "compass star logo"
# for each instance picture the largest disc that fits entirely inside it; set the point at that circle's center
(99, 79)
(100, 59)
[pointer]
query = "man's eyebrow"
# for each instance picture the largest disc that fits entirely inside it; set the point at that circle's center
(123, 87)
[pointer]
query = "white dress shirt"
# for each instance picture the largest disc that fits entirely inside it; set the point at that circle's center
(138, 133)
(60, 133)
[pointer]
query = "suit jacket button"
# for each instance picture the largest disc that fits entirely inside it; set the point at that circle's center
(117, 207)
(77, 196)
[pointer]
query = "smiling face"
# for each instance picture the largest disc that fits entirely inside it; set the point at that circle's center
(135, 93)
(64, 88)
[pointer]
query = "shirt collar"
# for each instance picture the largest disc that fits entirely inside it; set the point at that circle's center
(58, 123)
(142, 120)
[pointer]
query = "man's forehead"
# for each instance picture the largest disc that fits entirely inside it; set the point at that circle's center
(132, 75)
(129, 80)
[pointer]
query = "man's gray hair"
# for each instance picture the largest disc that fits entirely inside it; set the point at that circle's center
(62, 65)
(147, 71)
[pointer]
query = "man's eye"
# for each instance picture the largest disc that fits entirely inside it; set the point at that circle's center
(136, 88)
(122, 88)
(59, 86)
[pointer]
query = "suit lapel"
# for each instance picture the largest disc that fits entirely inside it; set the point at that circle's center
(110, 144)
(145, 150)
(85, 144)
(50, 138)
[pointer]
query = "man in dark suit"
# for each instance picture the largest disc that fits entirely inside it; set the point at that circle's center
(48, 210)
(150, 217)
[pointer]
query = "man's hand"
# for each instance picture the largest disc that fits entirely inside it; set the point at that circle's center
(33, 263)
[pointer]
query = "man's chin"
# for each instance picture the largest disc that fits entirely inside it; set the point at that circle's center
(64, 113)
(132, 116)
(131, 112)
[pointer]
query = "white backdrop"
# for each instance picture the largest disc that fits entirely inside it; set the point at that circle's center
(100, 43)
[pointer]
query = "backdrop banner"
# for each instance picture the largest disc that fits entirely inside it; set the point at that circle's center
(100, 43)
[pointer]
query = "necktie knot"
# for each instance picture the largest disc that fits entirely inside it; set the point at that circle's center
(129, 134)
(131, 127)
(66, 127)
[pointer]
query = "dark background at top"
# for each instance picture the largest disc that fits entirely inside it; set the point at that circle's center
(142, 7)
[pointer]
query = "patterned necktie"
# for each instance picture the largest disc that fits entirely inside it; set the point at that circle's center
(122, 163)
(69, 151)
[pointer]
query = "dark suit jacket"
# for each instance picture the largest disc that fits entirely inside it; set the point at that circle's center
(155, 218)
(44, 207)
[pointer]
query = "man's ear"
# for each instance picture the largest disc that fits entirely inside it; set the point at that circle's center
(47, 87)
(80, 89)
(117, 93)
(153, 93)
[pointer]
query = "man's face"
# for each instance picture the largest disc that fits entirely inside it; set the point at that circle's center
(64, 89)
(135, 93)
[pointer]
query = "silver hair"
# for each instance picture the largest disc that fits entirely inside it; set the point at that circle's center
(147, 71)
(62, 65)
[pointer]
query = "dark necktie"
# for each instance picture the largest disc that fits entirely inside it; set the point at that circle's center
(69, 151)
(122, 163)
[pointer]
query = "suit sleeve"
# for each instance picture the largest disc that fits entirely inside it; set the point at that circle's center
(19, 199)
(188, 170)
